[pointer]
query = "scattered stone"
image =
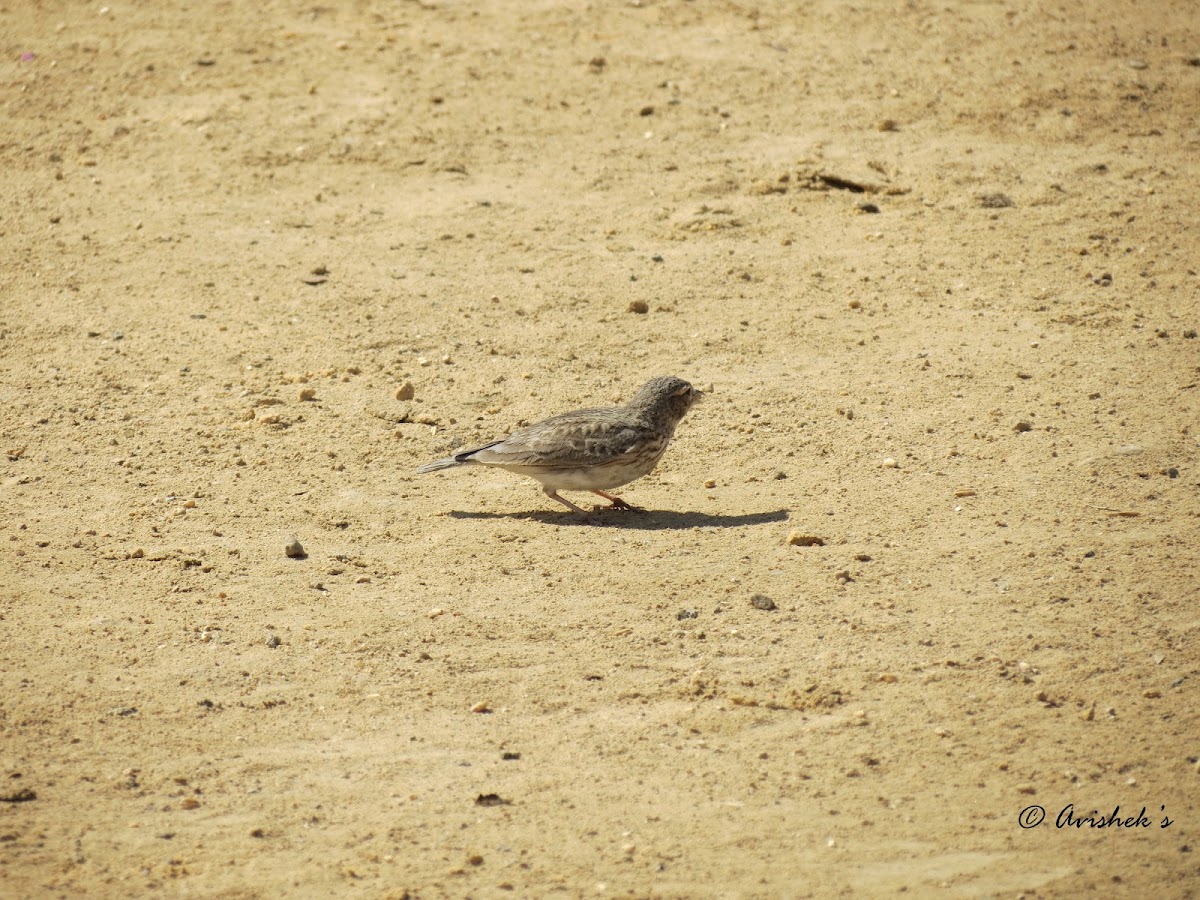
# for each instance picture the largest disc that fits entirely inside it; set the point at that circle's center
(22, 796)
(763, 188)
(1172, 472)
(274, 641)
(481, 707)
(138, 553)
(889, 463)
(763, 602)
(796, 539)
(869, 208)
(491, 800)
(887, 125)
(638, 306)
(855, 304)
(646, 111)
(405, 391)
(843, 577)
(996, 201)
(294, 549)
(710, 484)
(1022, 427)
(308, 393)
(964, 492)
(687, 614)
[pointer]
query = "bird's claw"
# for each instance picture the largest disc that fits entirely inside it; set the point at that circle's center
(618, 503)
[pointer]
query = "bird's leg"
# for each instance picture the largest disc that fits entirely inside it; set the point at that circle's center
(617, 502)
(553, 495)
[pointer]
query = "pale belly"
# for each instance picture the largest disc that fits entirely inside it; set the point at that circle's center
(596, 478)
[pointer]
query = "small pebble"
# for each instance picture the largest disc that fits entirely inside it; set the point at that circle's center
(294, 549)
(1022, 427)
(710, 484)
(274, 641)
(965, 492)
(796, 539)
(638, 306)
(308, 393)
(405, 391)
(890, 463)
(996, 201)
(763, 602)
(481, 707)
(687, 614)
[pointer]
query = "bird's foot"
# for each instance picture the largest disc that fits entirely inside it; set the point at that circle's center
(617, 503)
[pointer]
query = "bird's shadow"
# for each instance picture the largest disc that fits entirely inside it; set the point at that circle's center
(634, 520)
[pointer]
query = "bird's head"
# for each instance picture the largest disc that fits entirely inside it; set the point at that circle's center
(666, 397)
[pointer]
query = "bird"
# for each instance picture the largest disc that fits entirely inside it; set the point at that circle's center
(593, 449)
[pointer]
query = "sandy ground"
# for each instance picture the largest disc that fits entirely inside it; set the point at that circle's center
(936, 264)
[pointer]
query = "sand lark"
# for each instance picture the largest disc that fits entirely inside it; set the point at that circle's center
(590, 449)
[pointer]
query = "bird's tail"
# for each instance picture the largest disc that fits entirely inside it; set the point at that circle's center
(448, 463)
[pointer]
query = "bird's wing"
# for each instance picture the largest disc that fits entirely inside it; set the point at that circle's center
(584, 437)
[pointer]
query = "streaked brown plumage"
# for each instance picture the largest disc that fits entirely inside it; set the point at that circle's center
(590, 449)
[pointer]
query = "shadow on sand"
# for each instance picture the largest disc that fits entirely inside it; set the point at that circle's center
(635, 520)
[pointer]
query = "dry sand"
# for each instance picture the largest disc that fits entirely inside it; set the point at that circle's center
(937, 264)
